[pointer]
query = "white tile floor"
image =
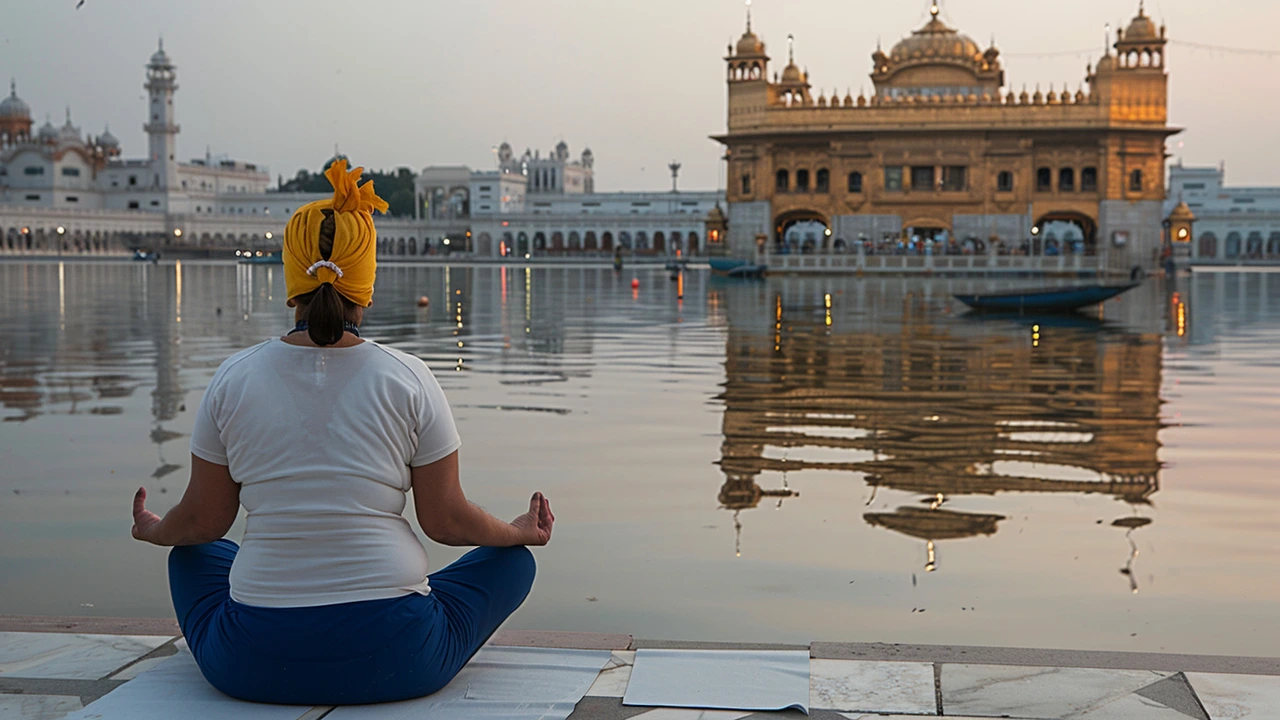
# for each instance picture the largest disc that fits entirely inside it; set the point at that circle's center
(1029, 692)
(849, 685)
(1236, 697)
(37, 707)
(70, 657)
(859, 690)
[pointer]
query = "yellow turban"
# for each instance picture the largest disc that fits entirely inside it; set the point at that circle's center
(352, 265)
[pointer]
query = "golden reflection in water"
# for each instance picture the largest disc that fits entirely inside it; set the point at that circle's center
(177, 275)
(940, 408)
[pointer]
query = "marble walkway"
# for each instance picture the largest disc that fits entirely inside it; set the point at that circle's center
(50, 667)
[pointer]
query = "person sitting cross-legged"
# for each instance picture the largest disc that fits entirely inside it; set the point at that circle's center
(321, 435)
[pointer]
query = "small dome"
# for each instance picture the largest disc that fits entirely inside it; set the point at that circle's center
(716, 216)
(750, 44)
(1142, 28)
(1182, 213)
(69, 132)
(936, 41)
(792, 74)
(107, 140)
(160, 58)
(14, 106)
(47, 133)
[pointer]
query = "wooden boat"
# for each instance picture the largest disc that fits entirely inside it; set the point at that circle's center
(260, 257)
(1063, 299)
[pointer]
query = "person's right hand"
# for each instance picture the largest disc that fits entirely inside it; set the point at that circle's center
(534, 527)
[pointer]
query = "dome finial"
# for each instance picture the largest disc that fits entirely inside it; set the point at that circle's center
(791, 49)
(934, 9)
(13, 87)
(748, 15)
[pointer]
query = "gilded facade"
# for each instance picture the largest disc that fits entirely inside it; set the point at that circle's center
(943, 158)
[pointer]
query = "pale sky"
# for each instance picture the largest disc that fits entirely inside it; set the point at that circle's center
(423, 82)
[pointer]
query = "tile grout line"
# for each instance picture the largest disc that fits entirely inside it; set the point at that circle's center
(937, 686)
(170, 644)
(1195, 694)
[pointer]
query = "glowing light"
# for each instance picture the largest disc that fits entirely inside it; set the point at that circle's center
(177, 232)
(61, 230)
(446, 241)
(269, 236)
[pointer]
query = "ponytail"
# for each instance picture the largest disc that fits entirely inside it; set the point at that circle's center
(325, 316)
(326, 310)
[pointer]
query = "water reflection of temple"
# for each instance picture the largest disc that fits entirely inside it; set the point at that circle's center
(936, 406)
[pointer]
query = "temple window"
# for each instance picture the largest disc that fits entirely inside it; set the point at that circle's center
(1067, 180)
(922, 177)
(783, 183)
(955, 178)
(33, 170)
(746, 183)
(802, 181)
(855, 182)
(1089, 179)
(823, 181)
(1004, 181)
(893, 178)
(1044, 180)
(1135, 181)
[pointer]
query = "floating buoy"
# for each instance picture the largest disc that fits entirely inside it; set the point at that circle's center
(635, 283)
(424, 301)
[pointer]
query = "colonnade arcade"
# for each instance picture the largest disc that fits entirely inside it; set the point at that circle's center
(565, 243)
(63, 241)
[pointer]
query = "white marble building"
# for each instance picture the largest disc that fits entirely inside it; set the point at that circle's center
(547, 206)
(65, 168)
(1233, 224)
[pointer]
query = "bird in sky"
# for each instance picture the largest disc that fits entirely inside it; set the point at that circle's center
(80, 4)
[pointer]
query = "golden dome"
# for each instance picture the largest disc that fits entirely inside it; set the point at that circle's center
(936, 41)
(1182, 213)
(1142, 28)
(750, 44)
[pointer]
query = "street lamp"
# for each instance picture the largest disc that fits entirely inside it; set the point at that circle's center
(269, 236)
(177, 232)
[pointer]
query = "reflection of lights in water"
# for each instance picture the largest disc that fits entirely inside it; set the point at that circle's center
(1035, 336)
(931, 563)
(177, 272)
(62, 297)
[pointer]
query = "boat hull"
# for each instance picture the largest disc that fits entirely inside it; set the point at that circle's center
(1064, 299)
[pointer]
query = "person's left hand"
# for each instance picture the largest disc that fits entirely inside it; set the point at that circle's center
(145, 522)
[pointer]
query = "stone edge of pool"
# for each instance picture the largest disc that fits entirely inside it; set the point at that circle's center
(972, 655)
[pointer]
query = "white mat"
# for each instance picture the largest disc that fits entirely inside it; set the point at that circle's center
(720, 679)
(176, 689)
(498, 684)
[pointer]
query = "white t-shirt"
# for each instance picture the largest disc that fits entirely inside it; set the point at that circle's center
(321, 441)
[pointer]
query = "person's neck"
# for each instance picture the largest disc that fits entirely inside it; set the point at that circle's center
(302, 339)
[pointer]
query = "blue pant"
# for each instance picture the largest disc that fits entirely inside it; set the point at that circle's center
(349, 654)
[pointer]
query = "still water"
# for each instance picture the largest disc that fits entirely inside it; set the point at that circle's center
(781, 460)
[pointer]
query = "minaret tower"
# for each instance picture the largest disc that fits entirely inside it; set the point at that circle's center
(748, 80)
(162, 130)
